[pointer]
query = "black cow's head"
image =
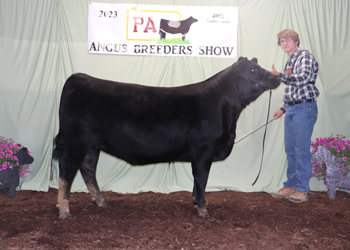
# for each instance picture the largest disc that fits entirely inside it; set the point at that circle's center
(256, 75)
(192, 19)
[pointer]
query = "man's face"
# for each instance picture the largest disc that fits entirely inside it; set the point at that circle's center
(288, 45)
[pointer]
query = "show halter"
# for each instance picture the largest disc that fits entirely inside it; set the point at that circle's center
(267, 122)
(262, 154)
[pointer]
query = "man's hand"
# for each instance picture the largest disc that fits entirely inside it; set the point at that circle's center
(274, 71)
(278, 114)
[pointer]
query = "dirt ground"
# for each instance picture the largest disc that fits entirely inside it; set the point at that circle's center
(169, 221)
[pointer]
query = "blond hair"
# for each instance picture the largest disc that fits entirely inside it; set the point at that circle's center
(287, 33)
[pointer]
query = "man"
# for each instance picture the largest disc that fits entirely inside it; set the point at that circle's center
(299, 104)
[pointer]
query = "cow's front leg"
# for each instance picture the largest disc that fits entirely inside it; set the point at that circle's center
(194, 196)
(162, 35)
(200, 172)
(88, 171)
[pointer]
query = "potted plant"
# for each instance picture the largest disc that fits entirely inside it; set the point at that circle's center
(331, 162)
(14, 164)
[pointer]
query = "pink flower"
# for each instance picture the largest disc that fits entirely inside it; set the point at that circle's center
(344, 158)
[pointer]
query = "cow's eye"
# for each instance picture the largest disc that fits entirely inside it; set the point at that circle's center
(253, 70)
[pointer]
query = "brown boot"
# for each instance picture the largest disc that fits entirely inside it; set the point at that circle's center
(298, 197)
(283, 192)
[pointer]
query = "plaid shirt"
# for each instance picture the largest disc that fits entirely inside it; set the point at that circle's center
(299, 80)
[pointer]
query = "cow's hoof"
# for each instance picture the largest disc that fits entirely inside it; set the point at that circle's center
(104, 204)
(101, 203)
(203, 213)
(64, 215)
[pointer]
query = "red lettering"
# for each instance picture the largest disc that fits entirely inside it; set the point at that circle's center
(150, 26)
(137, 21)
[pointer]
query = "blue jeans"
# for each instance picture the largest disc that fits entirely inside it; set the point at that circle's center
(299, 123)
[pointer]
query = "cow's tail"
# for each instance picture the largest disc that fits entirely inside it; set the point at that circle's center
(57, 148)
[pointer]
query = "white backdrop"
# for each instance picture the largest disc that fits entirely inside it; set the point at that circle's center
(42, 42)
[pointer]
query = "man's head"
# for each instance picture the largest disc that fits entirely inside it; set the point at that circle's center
(287, 33)
(288, 40)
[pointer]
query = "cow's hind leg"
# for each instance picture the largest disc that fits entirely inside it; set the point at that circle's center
(68, 170)
(88, 171)
(200, 171)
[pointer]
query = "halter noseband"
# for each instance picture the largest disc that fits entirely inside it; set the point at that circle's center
(251, 81)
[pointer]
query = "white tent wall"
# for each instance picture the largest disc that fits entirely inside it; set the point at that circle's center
(29, 86)
(42, 42)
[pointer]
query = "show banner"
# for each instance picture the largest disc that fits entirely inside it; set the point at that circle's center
(162, 30)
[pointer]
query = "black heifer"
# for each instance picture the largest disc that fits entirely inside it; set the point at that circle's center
(175, 27)
(143, 125)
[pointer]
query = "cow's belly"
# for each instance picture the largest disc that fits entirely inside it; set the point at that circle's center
(158, 149)
(151, 154)
(155, 139)
(144, 145)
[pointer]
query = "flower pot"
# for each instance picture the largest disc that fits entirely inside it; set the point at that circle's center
(9, 180)
(334, 178)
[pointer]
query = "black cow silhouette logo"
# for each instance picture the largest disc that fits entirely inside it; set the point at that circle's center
(174, 27)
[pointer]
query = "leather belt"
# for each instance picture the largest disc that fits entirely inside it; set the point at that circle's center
(301, 101)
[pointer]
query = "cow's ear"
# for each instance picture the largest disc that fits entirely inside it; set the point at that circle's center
(255, 60)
